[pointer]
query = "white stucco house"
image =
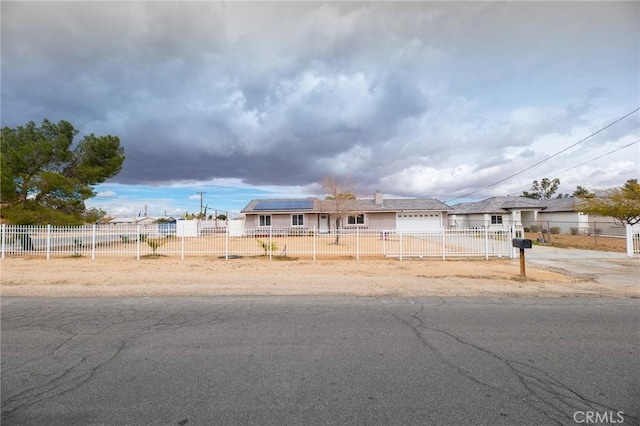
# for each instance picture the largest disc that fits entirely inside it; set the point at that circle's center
(564, 213)
(495, 212)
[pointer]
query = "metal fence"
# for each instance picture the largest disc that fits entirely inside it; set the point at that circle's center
(633, 240)
(591, 227)
(153, 240)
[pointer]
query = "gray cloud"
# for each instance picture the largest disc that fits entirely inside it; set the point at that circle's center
(420, 98)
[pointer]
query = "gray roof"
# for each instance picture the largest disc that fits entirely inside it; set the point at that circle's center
(363, 205)
(562, 205)
(499, 205)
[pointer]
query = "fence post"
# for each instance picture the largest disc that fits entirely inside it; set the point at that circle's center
(182, 245)
(486, 243)
(314, 243)
(357, 243)
(629, 232)
(512, 250)
(400, 246)
(48, 242)
(93, 243)
(270, 243)
(226, 242)
(138, 242)
(444, 243)
(4, 232)
(384, 242)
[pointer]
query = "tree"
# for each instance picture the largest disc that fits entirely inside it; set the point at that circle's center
(582, 192)
(46, 179)
(622, 203)
(542, 190)
(340, 193)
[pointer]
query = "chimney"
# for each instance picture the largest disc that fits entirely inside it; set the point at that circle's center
(377, 198)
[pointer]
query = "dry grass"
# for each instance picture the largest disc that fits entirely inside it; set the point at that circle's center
(584, 242)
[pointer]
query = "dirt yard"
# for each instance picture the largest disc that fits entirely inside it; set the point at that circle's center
(163, 276)
(584, 242)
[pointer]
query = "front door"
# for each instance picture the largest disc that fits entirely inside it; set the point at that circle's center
(323, 226)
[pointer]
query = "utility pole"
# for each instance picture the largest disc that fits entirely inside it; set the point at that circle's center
(201, 194)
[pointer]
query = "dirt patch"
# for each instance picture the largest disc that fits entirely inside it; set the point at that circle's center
(583, 242)
(166, 276)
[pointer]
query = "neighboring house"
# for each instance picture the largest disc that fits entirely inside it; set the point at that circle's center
(132, 221)
(563, 213)
(496, 212)
(405, 215)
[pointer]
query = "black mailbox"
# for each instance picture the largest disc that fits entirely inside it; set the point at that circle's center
(522, 243)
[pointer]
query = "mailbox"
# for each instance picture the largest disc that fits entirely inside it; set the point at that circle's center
(522, 243)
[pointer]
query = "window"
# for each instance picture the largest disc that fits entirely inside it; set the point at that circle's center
(297, 220)
(265, 220)
(356, 220)
(496, 220)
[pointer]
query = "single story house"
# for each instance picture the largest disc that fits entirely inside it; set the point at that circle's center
(132, 221)
(564, 213)
(404, 214)
(496, 212)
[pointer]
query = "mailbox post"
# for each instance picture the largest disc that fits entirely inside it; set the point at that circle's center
(522, 244)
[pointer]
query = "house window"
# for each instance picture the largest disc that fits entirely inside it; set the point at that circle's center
(496, 220)
(297, 220)
(265, 220)
(356, 220)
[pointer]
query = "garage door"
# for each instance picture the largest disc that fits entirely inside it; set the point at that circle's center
(418, 222)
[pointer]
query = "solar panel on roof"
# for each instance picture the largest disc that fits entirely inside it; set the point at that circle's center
(284, 205)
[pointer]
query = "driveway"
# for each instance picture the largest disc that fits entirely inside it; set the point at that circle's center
(607, 268)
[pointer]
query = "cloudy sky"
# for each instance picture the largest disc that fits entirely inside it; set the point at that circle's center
(244, 100)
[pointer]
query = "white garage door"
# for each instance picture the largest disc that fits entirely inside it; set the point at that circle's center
(418, 222)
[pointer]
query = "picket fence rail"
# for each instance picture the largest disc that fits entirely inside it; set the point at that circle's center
(162, 240)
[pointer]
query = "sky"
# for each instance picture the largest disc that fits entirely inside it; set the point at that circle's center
(244, 100)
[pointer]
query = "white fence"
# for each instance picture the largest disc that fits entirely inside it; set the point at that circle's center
(153, 240)
(633, 240)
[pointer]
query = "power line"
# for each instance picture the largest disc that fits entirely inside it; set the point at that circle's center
(598, 157)
(158, 204)
(548, 158)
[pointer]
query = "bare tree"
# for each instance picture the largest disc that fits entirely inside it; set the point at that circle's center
(340, 193)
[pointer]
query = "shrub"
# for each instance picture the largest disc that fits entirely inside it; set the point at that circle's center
(534, 228)
(554, 230)
(268, 246)
(527, 229)
(574, 231)
(154, 243)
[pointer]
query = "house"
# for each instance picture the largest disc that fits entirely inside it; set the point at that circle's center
(132, 221)
(404, 214)
(564, 213)
(496, 212)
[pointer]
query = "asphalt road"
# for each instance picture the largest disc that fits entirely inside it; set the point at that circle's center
(320, 360)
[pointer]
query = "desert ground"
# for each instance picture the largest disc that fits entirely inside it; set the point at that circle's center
(169, 276)
(584, 242)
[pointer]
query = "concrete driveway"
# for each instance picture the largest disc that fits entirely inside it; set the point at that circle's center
(607, 268)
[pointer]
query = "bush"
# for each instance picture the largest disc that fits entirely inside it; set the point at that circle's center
(554, 230)
(534, 228)
(574, 231)
(527, 229)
